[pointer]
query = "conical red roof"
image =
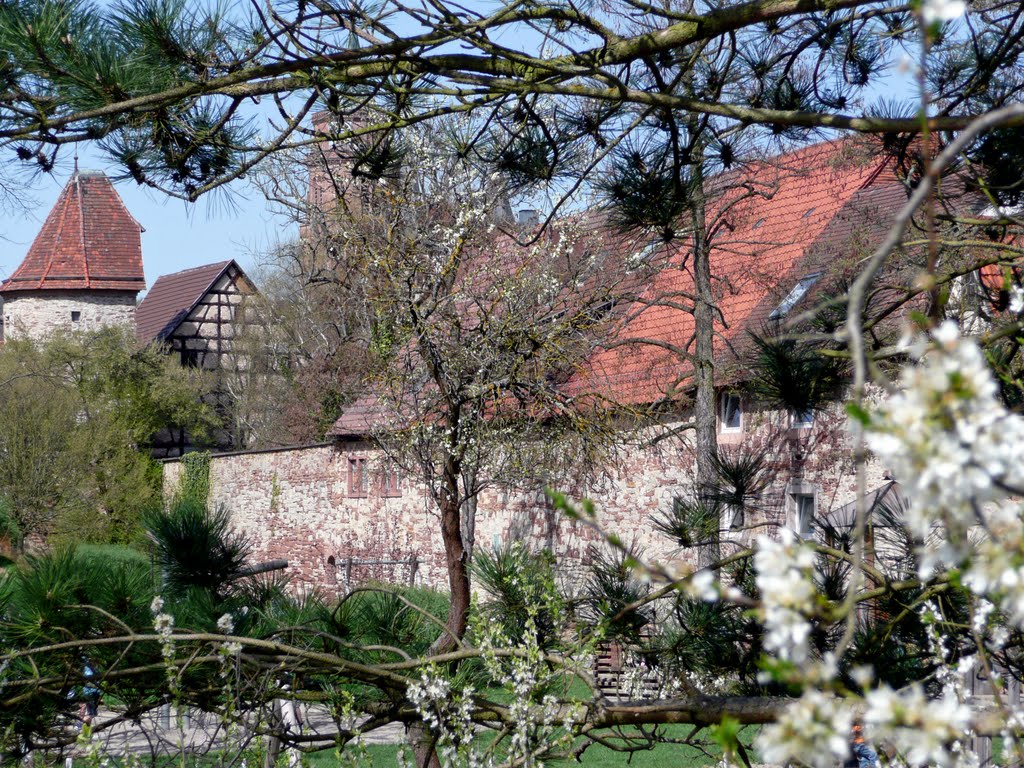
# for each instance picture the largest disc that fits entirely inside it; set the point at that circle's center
(88, 242)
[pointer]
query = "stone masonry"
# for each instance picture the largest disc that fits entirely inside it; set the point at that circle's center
(41, 313)
(300, 504)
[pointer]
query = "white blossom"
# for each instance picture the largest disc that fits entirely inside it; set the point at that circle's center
(163, 623)
(815, 730)
(942, 10)
(703, 586)
(950, 443)
(925, 729)
(1017, 299)
(784, 570)
(226, 624)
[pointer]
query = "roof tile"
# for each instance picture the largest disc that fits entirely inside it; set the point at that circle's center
(88, 242)
(172, 297)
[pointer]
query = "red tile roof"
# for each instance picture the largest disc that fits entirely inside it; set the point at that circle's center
(171, 299)
(88, 242)
(815, 210)
(360, 418)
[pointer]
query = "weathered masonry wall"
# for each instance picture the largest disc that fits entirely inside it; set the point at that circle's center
(40, 313)
(303, 504)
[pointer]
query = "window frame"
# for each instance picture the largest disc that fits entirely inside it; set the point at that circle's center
(358, 480)
(390, 481)
(736, 517)
(803, 522)
(723, 412)
(805, 420)
(796, 293)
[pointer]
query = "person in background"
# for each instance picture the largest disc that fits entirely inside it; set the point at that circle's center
(861, 753)
(90, 695)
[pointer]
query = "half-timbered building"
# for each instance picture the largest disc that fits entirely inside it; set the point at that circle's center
(195, 314)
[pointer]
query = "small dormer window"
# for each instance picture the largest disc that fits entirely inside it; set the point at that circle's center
(75, 316)
(808, 213)
(757, 224)
(798, 292)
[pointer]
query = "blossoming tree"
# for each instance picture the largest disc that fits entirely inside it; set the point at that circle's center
(164, 88)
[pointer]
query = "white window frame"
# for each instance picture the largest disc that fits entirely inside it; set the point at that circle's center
(723, 414)
(800, 420)
(735, 517)
(798, 291)
(805, 508)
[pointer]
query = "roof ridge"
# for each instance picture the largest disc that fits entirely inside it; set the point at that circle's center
(81, 228)
(65, 193)
(194, 269)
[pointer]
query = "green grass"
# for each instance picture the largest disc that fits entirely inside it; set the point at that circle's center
(386, 756)
(107, 553)
(596, 756)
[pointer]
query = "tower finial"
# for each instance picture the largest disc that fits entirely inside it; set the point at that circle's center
(76, 161)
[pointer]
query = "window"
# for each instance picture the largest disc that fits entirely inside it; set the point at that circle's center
(803, 504)
(757, 224)
(358, 482)
(802, 419)
(794, 296)
(189, 357)
(75, 316)
(807, 213)
(390, 481)
(732, 412)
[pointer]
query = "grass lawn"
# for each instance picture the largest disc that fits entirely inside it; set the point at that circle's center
(386, 756)
(596, 756)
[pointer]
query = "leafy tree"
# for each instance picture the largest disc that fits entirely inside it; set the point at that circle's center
(80, 413)
(303, 346)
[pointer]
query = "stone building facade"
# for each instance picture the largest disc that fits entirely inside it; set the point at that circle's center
(37, 314)
(337, 511)
(340, 513)
(84, 269)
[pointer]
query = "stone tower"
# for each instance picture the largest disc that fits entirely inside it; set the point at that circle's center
(83, 270)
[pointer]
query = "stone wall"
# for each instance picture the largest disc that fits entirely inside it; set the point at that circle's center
(309, 505)
(38, 314)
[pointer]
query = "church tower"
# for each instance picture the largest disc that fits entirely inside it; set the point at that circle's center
(83, 270)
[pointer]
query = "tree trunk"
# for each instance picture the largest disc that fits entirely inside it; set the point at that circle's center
(456, 557)
(705, 410)
(423, 746)
(469, 512)
(457, 561)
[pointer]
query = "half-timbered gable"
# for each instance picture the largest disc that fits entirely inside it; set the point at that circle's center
(196, 315)
(195, 312)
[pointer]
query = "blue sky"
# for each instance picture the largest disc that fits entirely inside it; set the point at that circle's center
(178, 235)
